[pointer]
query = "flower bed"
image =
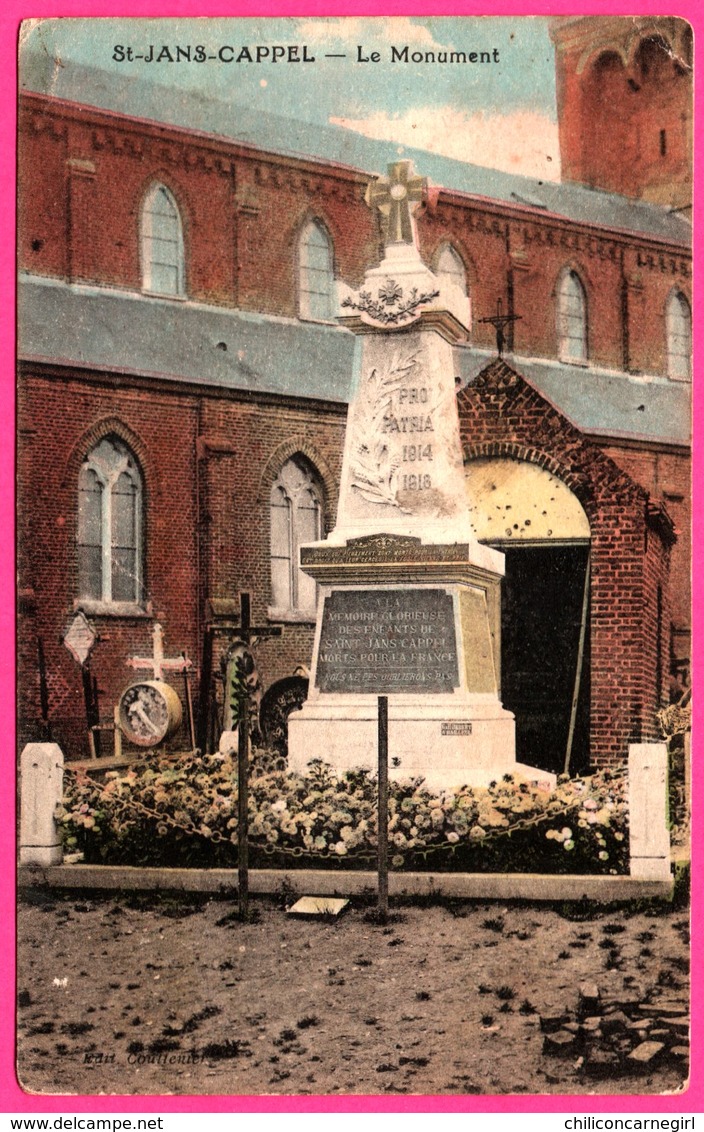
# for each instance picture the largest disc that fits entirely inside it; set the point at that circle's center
(184, 813)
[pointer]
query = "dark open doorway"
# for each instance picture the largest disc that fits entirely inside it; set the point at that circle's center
(545, 655)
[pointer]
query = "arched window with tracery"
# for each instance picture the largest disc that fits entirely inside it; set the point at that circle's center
(450, 268)
(296, 509)
(110, 525)
(161, 238)
(316, 276)
(571, 318)
(450, 263)
(679, 337)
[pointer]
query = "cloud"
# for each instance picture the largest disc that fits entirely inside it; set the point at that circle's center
(523, 141)
(362, 30)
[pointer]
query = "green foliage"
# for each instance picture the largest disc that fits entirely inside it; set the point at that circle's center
(183, 812)
(675, 721)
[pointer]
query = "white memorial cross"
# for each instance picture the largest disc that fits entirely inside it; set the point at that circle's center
(158, 663)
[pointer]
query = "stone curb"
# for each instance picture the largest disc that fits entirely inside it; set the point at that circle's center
(318, 882)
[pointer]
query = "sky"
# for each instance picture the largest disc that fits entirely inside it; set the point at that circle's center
(500, 114)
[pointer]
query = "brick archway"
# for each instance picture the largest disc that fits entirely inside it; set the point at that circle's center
(502, 415)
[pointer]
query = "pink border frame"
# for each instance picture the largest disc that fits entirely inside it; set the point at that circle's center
(12, 1098)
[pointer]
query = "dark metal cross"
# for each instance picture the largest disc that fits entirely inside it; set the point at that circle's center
(245, 635)
(247, 632)
(397, 197)
(239, 669)
(499, 321)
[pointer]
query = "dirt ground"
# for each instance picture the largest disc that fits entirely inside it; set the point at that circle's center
(149, 995)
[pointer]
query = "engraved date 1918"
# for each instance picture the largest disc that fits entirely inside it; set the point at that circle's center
(416, 483)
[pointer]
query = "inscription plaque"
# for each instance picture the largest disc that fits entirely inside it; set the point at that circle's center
(384, 641)
(460, 728)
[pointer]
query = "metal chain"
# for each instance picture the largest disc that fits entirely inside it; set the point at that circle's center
(131, 803)
(300, 851)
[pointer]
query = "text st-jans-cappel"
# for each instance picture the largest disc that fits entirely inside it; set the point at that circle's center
(287, 53)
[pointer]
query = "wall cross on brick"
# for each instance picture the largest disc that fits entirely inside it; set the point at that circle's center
(157, 662)
(500, 321)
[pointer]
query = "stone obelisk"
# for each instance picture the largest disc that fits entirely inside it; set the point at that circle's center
(409, 601)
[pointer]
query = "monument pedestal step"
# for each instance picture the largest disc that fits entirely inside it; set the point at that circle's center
(449, 744)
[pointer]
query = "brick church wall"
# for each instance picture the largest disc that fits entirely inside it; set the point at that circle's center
(666, 476)
(83, 174)
(207, 533)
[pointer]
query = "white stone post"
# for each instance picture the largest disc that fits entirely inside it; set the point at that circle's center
(42, 787)
(647, 803)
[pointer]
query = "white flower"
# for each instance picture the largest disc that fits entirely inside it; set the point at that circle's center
(453, 837)
(60, 982)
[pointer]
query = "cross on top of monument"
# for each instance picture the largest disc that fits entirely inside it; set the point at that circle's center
(499, 321)
(397, 197)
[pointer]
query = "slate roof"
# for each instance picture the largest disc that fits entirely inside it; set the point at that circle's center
(125, 332)
(602, 402)
(221, 348)
(136, 97)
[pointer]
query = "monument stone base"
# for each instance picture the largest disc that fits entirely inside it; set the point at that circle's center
(448, 743)
(418, 623)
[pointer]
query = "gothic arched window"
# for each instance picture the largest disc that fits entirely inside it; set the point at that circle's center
(679, 337)
(296, 518)
(571, 318)
(110, 525)
(316, 278)
(161, 236)
(450, 263)
(450, 269)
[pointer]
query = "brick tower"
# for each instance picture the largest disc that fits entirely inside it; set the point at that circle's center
(624, 103)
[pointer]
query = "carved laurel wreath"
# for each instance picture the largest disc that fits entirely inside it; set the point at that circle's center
(374, 470)
(389, 307)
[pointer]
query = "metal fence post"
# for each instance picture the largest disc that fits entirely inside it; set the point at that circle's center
(383, 808)
(243, 807)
